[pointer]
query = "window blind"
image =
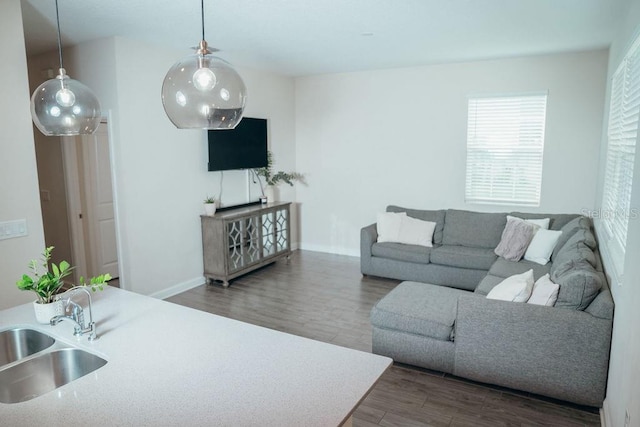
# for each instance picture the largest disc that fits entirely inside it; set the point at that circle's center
(622, 133)
(505, 142)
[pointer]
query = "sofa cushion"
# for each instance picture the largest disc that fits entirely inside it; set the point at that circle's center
(579, 247)
(568, 230)
(557, 221)
(401, 252)
(503, 268)
(488, 283)
(579, 284)
(473, 229)
(419, 308)
(425, 215)
(462, 256)
(516, 236)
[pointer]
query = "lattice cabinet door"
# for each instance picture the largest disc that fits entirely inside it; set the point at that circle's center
(244, 243)
(282, 230)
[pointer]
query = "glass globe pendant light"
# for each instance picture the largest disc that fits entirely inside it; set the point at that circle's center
(202, 91)
(62, 106)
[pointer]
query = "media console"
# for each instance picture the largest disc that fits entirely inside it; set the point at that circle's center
(237, 241)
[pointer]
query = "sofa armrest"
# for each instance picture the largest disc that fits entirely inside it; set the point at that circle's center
(545, 350)
(368, 236)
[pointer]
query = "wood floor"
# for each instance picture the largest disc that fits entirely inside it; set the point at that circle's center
(324, 297)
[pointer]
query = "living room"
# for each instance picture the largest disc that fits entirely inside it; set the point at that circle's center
(363, 139)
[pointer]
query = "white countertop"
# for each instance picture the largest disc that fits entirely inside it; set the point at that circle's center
(170, 365)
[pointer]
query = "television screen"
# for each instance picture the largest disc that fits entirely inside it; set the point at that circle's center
(244, 147)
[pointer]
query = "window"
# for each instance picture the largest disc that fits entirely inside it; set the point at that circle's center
(622, 133)
(505, 141)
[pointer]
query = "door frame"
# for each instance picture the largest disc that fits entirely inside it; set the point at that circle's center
(74, 203)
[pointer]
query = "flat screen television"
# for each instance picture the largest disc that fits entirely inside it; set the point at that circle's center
(244, 147)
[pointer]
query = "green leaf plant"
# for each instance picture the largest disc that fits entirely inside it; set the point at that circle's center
(48, 282)
(273, 179)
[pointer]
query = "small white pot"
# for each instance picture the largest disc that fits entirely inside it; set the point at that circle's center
(44, 312)
(271, 193)
(209, 209)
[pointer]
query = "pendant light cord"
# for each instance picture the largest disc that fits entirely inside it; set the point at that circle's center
(59, 37)
(202, 15)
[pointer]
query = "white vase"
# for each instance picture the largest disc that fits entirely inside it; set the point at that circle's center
(44, 312)
(210, 209)
(271, 193)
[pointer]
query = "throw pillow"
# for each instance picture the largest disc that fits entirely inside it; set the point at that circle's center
(515, 239)
(542, 245)
(545, 292)
(416, 232)
(542, 223)
(516, 288)
(388, 226)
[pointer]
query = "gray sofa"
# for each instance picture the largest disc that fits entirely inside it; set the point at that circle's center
(434, 321)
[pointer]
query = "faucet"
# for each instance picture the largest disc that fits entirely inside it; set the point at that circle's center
(75, 313)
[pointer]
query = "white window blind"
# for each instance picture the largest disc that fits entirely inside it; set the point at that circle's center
(505, 142)
(622, 134)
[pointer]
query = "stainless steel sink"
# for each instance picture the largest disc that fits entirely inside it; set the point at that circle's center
(45, 373)
(16, 344)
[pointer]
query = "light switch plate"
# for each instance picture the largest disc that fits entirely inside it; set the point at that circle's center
(12, 229)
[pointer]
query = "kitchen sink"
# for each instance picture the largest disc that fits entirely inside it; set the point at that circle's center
(18, 343)
(46, 372)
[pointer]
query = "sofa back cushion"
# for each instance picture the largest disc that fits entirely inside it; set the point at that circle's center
(568, 230)
(425, 215)
(580, 246)
(557, 221)
(579, 283)
(473, 229)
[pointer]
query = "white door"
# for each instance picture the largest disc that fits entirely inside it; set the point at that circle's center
(99, 224)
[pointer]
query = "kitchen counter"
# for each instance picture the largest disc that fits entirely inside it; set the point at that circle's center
(170, 365)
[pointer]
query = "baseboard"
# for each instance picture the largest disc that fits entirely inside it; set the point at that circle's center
(330, 250)
(179, 288)
(605, 420)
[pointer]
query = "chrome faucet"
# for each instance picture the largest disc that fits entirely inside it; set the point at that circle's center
(75, 313)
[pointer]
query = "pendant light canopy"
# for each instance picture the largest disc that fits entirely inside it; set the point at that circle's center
(62, 106)
(202, 91)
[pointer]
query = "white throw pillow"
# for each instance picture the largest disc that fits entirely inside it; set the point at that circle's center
(516, 288)
(545, 292)
(542, 223)
(416, 232)
(388, 226)
(542, 245)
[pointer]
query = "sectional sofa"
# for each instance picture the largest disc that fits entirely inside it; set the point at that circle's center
(440, 318)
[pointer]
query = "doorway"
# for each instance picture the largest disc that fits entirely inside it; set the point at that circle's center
(75, 178)
(90, 205)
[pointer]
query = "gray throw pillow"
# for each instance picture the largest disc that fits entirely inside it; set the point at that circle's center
(515, 239)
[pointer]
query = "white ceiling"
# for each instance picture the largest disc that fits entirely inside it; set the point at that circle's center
(303, 37)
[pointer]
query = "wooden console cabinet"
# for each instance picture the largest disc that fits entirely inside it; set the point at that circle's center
(237, 241)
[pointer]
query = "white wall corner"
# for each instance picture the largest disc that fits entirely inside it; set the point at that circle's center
(178, 288)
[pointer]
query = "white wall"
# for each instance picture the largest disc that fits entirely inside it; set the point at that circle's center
(623, 392)
(369, 139)
(160, 171)
(19, 197)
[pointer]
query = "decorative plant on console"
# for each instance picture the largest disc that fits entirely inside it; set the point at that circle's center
(209, 206)
(272, 180)
(47, 285)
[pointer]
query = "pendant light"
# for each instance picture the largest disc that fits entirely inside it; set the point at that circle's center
(202, 91)
(62, 106)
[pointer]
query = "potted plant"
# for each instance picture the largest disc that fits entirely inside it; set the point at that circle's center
(48, 283)
(209, 206)
(272, 180)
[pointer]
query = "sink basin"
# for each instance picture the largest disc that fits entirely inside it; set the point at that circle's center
(16, 344)
(45, 373)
